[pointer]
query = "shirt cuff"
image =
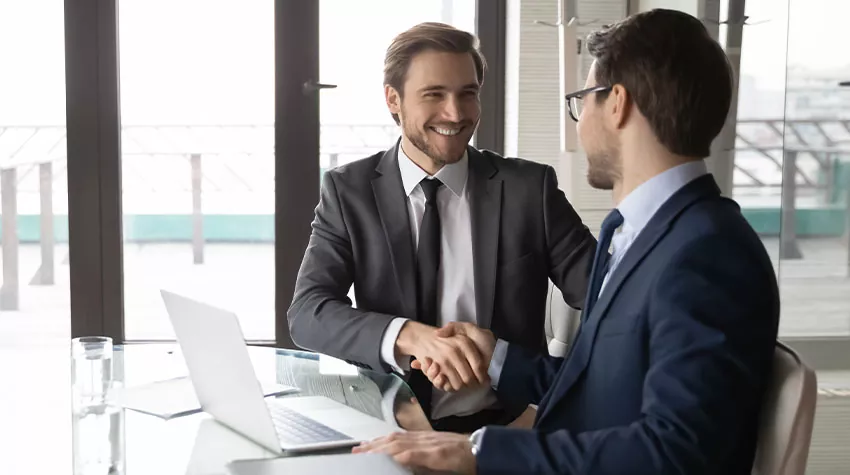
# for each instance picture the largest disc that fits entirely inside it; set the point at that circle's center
(497, 362)
(476, 439)
(388, 346)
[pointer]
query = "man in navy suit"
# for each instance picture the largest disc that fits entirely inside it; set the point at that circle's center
(668, 371)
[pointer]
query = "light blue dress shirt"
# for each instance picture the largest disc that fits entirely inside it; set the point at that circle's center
(637, 208)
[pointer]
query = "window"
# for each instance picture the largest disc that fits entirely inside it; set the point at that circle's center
(34, 283)
(353, 41)
(197, 106)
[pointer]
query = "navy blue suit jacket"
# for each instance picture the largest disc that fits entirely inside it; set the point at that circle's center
(668, 372)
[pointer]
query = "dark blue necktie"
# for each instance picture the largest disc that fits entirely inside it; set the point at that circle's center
(600, 260)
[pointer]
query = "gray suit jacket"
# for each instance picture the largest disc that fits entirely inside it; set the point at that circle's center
(523, 231)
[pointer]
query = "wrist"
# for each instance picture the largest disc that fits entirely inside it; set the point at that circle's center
(408, 338)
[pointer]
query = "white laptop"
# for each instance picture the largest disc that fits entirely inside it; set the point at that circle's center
(368, 464)
(227, 388)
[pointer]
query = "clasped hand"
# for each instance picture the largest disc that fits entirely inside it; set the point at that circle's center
(457, 357)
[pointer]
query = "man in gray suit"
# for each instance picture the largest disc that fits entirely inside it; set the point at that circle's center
(433, 231)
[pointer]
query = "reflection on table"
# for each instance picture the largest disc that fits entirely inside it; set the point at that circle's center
(138, 443)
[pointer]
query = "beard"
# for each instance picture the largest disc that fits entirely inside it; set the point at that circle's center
(419, 140)
(603, 169)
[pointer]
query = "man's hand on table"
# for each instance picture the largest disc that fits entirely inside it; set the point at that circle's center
(443, 451)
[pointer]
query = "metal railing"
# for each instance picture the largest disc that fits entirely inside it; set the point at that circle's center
(821, 143)
(771, 156)
(24, 149)
(803, 156)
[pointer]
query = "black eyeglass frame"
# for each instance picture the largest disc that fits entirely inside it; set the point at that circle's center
(579, 95)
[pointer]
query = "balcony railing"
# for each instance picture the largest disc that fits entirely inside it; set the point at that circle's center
(787, 159)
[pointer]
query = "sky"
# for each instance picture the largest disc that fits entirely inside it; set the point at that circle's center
(211, 61)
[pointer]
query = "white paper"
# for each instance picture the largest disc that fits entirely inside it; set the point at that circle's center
(329, 365)
(174, 397)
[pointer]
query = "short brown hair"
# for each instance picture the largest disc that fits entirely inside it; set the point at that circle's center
(678, 76)
(429, 36)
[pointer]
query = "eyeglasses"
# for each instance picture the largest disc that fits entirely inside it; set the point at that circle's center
(574, 99)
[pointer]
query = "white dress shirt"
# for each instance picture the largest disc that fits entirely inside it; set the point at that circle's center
(456, 277)
(637, 208)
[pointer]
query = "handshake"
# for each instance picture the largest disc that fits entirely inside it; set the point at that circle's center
(452, 357)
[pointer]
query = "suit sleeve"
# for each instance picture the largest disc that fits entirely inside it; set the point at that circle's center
(713, 316)
(571, 244)
(321, 317)
(524, 376)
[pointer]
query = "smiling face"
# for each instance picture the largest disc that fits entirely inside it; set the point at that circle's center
(438, 106)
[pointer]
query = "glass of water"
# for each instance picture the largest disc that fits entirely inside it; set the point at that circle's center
(98, 427)
(91, 371)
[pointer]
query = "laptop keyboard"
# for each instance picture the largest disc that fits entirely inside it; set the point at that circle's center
(294, 428)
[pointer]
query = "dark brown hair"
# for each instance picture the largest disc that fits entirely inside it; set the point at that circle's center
(428, 36)
(677, 75)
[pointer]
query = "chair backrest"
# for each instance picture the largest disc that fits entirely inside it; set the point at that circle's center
(562, 322)
(787, 417)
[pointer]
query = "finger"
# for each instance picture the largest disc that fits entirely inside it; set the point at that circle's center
(461, 366)
(452, 371)
(448, 366)
(474, 358)
(433, 371)
(421, 364)
(392, 447)
(427, 364)
(383, 444)
(443, 384)
(447, 331)
(366, 446)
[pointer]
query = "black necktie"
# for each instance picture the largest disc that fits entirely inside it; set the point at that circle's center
(600, 260)
(427, 267)
(428, 254)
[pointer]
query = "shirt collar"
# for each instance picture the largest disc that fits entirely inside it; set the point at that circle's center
(452, 175)
(640, 205)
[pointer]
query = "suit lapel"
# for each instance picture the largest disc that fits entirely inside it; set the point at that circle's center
(485, 201)
(655, 229)
(392, 208)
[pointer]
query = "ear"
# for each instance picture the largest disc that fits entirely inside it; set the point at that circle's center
(620, 106)
(393, 99)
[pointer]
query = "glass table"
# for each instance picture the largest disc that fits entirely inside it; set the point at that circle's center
(39, 435)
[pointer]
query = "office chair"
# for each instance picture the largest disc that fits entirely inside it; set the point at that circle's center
(787, 417)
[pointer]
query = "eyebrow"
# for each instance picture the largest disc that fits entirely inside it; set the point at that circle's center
(444, 88)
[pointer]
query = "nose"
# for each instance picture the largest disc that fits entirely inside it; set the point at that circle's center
(452, 110)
